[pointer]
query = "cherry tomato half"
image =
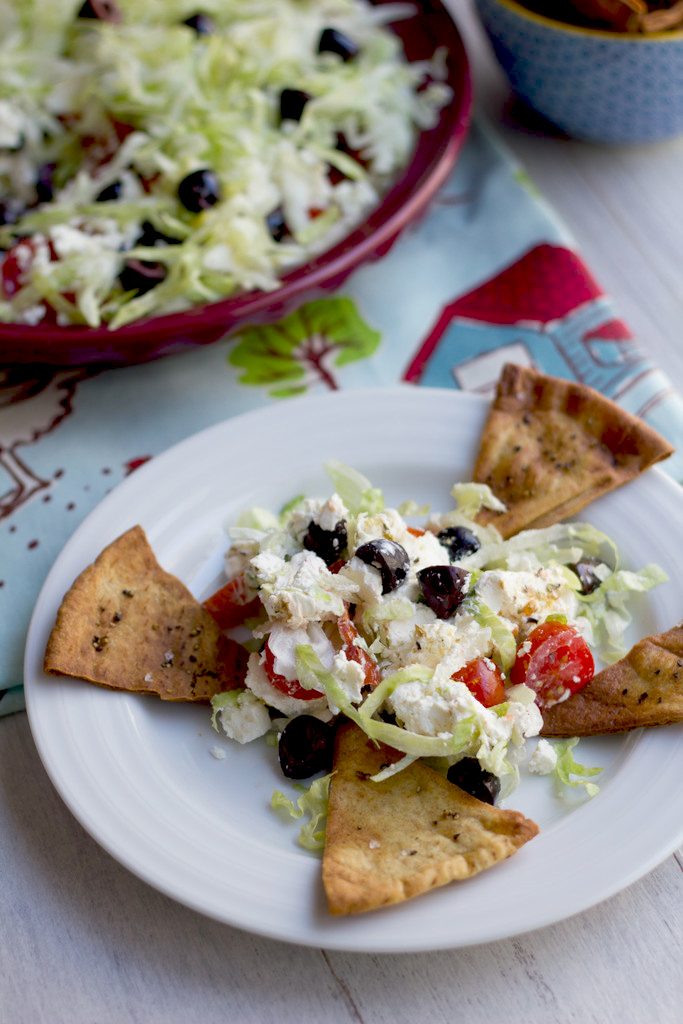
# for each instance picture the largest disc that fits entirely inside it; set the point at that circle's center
(353, 652)
(558, 659)
(484, 680)
(233, 604)
(290, 687)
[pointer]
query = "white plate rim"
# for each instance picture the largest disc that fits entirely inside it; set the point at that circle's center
(340, 937)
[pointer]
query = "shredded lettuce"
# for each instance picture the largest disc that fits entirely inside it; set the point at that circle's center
(470, 498)
(257, 518)
(569, 772)
(354, 489)
(312, 675)
(312, 802)
(607, 607)
(562, 543)
(501, 633)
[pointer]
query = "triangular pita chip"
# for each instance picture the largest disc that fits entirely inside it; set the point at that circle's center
(389, 841)
(644, 688)
(127, 624)
(552, 446)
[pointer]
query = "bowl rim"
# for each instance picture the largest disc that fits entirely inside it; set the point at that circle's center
(631, 38)
(392, 211)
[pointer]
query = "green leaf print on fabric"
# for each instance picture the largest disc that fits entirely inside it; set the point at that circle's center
(302, 349)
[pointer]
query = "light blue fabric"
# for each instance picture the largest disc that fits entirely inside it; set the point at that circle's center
(483, 222)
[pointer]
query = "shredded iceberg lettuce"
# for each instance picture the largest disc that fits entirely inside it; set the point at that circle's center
(354, 489)
(312, 802)
(607, 607)
(569, 772)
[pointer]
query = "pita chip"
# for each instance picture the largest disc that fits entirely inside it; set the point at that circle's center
(389, 841)
(129, 625)
(551, 446)
(645, 688)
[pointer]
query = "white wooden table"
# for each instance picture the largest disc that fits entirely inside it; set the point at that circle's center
(84, 942)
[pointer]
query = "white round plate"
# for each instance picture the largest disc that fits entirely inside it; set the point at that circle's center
(140, 776)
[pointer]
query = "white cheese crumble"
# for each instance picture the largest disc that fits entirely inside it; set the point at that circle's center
(325, 514)
(218, 753)
(435, 709)
(521, 596)
(244, 719)
(543, 761)
(302, 589)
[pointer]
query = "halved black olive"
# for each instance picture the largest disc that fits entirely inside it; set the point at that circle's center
(305, 747)
(390, 558)
(101, 10)
(444, 588)
(333, 41)
(151, 236)
(585, 570)
(327, 544)
(203, 24)
(44, 183)
(110, 193)
(469, 775)
(459, 542)
(141, 276)
(292, 103)
(276, 224)
(199, 190)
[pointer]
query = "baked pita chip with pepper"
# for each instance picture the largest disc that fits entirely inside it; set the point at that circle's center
(389, 841)
(551, 446)
(644, 688)
(129, 625)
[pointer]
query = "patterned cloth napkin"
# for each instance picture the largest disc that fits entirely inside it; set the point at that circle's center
(487, 276)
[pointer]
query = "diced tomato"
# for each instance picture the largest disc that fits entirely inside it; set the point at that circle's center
(233, 604)
(232, 663)
(290, 687)
(557, 660)
(416, 531)
(353, 652)
(336, 566)
(484, 680)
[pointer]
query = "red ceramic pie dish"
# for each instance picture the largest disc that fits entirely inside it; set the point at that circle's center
(435, 154)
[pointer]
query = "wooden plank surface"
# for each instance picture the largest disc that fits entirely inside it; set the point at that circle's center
(84, 942)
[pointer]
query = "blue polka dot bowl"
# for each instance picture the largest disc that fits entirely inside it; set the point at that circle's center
(592, 84)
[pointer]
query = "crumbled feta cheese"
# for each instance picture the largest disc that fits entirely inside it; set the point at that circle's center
(350, 677)
(326, 514)
(301, 590)
(218, 753)
(245, 718)
(365, 580)
(543, 761)
(435, 709)
(525, 720)
(374, 844)
(519, 596)
(444, 645)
